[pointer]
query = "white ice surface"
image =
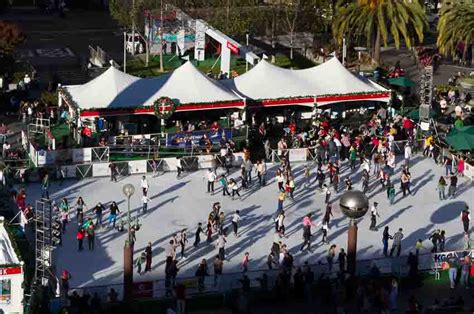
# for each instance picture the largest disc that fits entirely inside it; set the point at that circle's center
(178, 204)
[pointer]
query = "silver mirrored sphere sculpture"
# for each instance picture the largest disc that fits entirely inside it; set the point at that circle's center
(354, 204)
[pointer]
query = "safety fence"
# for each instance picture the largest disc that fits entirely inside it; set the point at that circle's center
(222, 284)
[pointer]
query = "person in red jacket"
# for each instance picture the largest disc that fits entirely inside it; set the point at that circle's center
(80, 237)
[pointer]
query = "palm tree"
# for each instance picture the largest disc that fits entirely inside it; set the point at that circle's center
(456, 24)
(376, 19)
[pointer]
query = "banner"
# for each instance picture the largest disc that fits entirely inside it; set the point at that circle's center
(82, 155)
(136, 166)
(439, 258)
(194, 138)
(100, 170)
(143, 290)
(298, 154)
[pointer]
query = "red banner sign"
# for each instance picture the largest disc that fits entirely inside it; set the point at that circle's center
(233, 48)
(10, 271)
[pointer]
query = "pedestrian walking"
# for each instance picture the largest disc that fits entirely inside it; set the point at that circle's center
(245, 262)
(281, 200)
(144, 185)
(80, 237)
(324, 229)
(99, 209)
(434, 240)
(330, 257)
(452, 270)
(407, 154)
(183, 239)
(448, 163)
(64, 220)
(405, 179)
(441, 188)
(391, 192)
(466, 219)
(218, 267)
(114, 211)
(373, 216)
(235, 222)
(113, 172)
(148, 257)
(328, 213)
(385, 237)
(80, 206)
(224, 184)
(453, 183)
(90, 236)
(397, 242)
(234, 187)
(279, 223)
(248, 167)
(211, 178)
(291, 186)
(341, 258)
(221, 242)
(197, 236)
(307, 232)
(140, 261)
(465, 271)
(280, 179)
(179, 167)
(348, 183)
(307, 176)
(327, 193)
(145, 200)
(261, 171)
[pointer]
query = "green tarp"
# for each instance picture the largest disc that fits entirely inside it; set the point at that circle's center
(401, 81)
(462, 138)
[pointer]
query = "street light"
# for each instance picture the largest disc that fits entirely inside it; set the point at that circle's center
(354, 204)
(128, 190)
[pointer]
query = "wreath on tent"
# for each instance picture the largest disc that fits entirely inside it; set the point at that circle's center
(167, 106)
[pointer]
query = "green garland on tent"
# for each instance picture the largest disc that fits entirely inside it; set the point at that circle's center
(67, 97)
(356, 94)
(166, 102)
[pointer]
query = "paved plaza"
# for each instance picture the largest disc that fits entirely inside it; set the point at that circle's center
(178, 204)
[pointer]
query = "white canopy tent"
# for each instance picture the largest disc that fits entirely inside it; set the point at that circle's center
(327, 83)
(105, 91)
(115, 90)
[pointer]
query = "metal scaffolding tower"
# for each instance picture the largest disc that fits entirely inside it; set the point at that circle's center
(43, 241)
(426, 98)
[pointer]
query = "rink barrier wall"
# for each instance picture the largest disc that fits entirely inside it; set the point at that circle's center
(155, 289)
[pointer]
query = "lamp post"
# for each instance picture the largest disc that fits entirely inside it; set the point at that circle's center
(354, 204)
(128, 190)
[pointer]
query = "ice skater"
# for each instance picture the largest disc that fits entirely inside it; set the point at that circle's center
(183, 239)
(235, 222)
(197, 236)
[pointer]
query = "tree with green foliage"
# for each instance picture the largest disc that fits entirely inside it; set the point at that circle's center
(10, 37)
(456, 24)
(374, 20)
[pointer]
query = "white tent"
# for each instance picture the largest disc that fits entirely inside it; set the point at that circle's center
(188, 85)
(329, 82)
(105, 91)
(117, 90)
(267, 81)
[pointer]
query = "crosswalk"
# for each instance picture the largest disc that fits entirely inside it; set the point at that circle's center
(46, 53)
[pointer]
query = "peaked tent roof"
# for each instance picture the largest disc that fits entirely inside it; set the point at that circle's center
(104, 91)
(188, 85)
(117, 90)
(267, 81)
(331, 77)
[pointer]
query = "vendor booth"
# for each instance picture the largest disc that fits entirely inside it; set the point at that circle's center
(11, 275)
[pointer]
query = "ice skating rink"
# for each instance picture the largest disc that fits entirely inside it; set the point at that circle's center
(178, 204)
